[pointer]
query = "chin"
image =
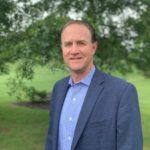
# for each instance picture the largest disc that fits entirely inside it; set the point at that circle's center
(77, 69)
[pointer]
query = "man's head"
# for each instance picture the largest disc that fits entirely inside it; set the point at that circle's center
(78, 44)
(86, 24)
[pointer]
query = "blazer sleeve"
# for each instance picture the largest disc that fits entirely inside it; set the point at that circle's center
(48, 145)
(129, 129)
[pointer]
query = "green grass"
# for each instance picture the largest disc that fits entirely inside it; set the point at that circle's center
(143, 86)
(24, 128)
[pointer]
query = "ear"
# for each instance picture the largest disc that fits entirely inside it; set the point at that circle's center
(61, 47)
(94, 47)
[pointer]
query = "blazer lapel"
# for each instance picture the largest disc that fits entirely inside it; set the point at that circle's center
(93, 93)
(60, 96)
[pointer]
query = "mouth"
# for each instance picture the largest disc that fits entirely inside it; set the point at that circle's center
(77, 58)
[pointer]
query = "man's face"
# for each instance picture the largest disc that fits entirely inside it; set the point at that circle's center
(77, 48)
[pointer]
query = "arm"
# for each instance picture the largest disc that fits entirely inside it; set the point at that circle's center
(129, 130)
(48, 145)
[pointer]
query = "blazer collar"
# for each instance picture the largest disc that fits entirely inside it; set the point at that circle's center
(93, 92)
(59, 98)
(92, 95)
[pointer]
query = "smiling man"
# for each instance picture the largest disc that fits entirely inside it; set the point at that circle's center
(91, 110)
(78, 50)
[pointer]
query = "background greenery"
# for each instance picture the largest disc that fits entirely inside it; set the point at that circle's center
(30, 42)
(24, 128)
(30, 35)
(30, 32)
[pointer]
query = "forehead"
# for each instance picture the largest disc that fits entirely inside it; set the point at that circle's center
(75, 31)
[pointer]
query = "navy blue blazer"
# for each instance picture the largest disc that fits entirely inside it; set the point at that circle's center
(109, 118)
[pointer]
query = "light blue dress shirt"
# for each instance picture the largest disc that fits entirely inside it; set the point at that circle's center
(71, 110)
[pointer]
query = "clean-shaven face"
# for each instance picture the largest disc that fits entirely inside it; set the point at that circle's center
(77, 48)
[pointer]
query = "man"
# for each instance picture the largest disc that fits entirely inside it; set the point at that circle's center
(91, 110)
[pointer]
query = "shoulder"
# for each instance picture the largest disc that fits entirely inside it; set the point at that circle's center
(62, 82)
(116, 89)
(112, 82)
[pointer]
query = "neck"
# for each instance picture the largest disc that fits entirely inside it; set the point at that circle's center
(79, 75)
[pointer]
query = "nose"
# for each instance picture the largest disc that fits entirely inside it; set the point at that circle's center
(74, 49)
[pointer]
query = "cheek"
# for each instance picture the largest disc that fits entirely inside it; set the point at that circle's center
(90, 53)
(65, 54)
(93, 52)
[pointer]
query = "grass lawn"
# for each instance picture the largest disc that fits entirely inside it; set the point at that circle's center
(24, 128)
(143, 87)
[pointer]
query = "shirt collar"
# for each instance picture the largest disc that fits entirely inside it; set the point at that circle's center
(86, 80)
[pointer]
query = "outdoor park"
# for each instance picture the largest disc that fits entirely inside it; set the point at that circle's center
(31, 61)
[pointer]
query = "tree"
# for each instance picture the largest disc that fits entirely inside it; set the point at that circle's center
(6, 7)
(118, 25)
(141, 54)
(119, 38)
(122, 28)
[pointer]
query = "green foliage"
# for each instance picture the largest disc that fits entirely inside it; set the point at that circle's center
(17, 88)
(36, 96)
(21, 82)
(143, 47)
(6, 7)
(123, 43)
(117, 45)
(21, 91)
(17, 85)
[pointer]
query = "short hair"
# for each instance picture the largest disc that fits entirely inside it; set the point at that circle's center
(86, 24)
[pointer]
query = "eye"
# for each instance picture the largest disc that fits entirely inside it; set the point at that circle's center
(67, 44)
(81, 43)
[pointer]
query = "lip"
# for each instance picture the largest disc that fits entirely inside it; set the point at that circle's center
(78, 58)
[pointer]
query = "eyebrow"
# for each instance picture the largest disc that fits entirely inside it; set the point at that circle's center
(78, 41)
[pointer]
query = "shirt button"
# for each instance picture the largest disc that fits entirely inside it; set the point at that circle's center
(70, 118)
(69, 138)
(74, 99)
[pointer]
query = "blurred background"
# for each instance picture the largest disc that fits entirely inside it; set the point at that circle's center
(31, 61)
